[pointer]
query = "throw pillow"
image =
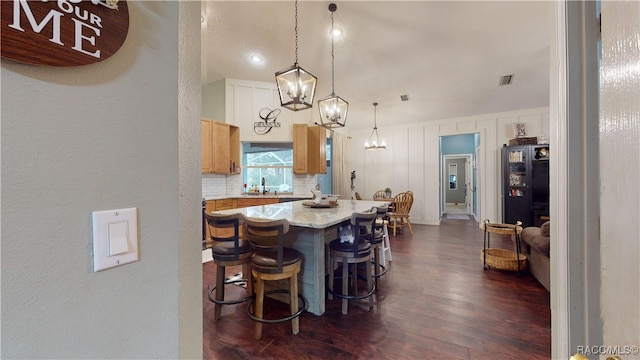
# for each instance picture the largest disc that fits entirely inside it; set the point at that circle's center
(544, 229)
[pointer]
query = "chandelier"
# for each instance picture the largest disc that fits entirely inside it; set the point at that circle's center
(333, 109)
(374, 141)
(296, 86)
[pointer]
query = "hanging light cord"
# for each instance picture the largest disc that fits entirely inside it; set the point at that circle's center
(296, 31)
(332, 59)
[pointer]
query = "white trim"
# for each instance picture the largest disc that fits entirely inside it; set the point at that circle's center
(558, 182)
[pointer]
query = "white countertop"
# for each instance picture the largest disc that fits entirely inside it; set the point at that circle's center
(260, 196)
(304, 216)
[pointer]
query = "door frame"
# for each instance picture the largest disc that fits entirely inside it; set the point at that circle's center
(469, 180)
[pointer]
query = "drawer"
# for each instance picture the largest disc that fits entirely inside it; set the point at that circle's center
(224, 204)
(255, 202)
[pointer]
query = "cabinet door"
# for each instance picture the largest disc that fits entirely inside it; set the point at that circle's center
(221, 148)
(207, 145)
(517, 196)
(300, 149)
(317, 150)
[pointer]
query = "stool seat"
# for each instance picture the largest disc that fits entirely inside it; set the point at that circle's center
(226, 251)
(267, 261)
(364, 247)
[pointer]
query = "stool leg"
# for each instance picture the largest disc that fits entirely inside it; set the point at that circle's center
(387, 242)
(331, 278)
(376, 264)
(293, 301)
(345, 285)
(246, 273)
(369, 284)
(220, 278)
(259, 306)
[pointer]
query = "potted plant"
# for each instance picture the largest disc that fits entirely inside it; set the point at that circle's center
(387, 192)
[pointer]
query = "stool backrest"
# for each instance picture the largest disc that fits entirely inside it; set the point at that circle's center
(362, 225)
(267, 235)
(224, 222)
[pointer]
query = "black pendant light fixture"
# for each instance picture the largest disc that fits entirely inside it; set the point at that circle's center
(333, 109)
(296, 86)
(374, 141)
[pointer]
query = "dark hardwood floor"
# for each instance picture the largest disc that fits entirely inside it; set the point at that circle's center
(435, 302)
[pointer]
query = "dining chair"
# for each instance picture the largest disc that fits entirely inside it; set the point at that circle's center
(350, 254)
(379, 195)
(228, 250)
(272, 261)
(402, 204)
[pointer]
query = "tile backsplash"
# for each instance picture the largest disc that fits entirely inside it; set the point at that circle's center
(220, 186)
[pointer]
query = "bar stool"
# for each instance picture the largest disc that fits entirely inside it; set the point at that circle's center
(228, 250)
(380, 242)
(359, 251)
(272, 261)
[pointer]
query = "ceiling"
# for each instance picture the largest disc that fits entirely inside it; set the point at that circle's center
(447, 56)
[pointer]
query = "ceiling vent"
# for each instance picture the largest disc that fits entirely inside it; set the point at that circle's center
(506, 79)
(404, 97)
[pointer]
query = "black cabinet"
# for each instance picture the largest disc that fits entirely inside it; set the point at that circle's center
(525, 195)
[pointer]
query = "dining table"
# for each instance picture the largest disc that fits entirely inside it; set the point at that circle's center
(311, 228)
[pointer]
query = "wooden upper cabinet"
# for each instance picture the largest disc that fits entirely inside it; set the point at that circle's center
(207, 146)
(220, 147)
(309, 149)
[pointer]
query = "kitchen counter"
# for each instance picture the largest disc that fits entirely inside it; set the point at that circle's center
(310, 231)
(260, 196)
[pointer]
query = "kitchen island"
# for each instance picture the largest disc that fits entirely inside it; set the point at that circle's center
(311, 229)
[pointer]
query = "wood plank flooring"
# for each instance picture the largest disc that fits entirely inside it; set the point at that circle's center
(435, 302)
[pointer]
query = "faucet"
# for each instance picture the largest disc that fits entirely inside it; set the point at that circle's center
(264, 189)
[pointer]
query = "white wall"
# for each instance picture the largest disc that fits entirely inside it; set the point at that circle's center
(619, 173)
(411, 160)
(98, 137)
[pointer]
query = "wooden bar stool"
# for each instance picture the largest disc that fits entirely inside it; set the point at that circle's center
(359, 251)
(272, 261)
(228, 250)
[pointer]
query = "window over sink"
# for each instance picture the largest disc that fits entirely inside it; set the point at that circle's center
(272, 161)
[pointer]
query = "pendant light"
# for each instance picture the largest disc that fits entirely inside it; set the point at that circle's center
(333, 109)
(374, 141)
(296, 86)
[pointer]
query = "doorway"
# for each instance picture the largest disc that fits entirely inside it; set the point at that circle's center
(457, 184)
(458, 174)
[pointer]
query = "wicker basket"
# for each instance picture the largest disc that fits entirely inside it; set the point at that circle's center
(503, 259)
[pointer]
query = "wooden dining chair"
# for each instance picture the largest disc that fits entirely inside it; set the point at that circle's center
(402, 204)
(379, 195)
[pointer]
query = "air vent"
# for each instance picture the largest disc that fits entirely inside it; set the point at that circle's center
(404, 97)
(506, 79)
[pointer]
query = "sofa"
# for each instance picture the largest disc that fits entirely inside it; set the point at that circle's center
(535, 243)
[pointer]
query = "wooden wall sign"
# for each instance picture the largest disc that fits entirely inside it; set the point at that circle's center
(63, 32)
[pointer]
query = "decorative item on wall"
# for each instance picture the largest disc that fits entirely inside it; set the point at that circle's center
(268, 122)
(63, 33)
(519, 129)
(374, 141)
(333, 109)
(296, 86)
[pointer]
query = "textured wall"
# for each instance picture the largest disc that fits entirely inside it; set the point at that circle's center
(620, 171)
(75, 140)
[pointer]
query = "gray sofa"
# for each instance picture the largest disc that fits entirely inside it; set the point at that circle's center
(535, 243)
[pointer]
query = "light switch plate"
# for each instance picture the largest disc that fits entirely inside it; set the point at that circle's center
(115, 238)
